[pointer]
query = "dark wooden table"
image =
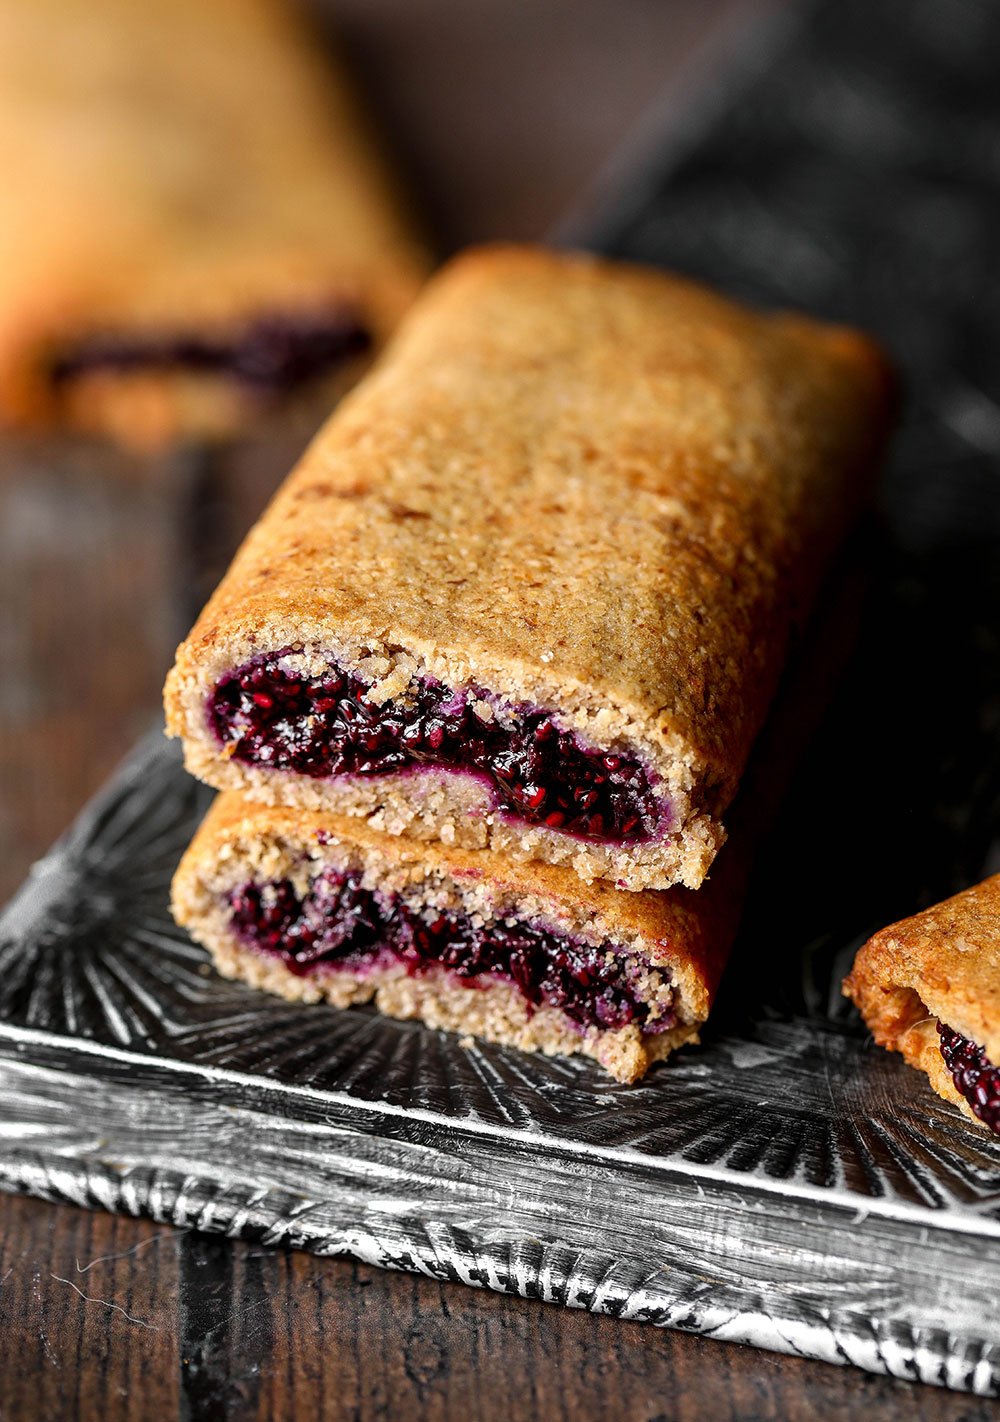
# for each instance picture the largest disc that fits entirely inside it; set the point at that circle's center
(506, 110)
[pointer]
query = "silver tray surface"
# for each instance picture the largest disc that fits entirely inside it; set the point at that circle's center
(786, 1184)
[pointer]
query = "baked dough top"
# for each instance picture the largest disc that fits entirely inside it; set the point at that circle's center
(578, 474)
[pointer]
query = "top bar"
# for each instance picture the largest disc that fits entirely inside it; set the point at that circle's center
(534, 584)
(194, 219)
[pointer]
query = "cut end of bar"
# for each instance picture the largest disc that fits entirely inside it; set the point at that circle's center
(338, 923)
(975, 1077)
(377, 734)
(468, 946)
(146, 384)
(957, 1068)
(278, 712)
(929, 988)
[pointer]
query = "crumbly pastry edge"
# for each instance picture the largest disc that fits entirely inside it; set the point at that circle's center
(901, 1022)
(495, 1014)
(224, 855)
(449, 806)
(902, 1007)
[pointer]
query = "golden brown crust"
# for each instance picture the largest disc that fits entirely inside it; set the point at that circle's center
(942, 965)
(177, 164)
(583, 484)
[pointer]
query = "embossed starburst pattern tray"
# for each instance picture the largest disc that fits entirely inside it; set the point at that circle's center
(786, 1184)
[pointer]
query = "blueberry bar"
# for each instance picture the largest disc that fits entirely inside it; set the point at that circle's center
(533, 586)
(317, 907)
(929, 987)
(194, 221)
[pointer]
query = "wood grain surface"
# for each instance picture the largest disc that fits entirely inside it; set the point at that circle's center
(119, 1319)
(505, 110)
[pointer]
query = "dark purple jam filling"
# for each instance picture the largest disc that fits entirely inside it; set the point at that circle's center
(272, 354)
(340, 924)
(323, 726)
(974, 1075)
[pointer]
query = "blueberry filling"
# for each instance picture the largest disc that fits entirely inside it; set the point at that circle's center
(974, 1075)
(323, 725)
(272, 354)
(340, 924)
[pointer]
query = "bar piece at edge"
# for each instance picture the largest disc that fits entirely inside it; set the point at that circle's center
(929, 987)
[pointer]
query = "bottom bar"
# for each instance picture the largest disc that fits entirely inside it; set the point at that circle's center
(317, 907)
(789, 1269)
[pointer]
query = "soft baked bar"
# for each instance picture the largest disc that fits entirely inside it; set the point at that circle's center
(193, 217)
(929, 987)
(322, 907)
(534, 584)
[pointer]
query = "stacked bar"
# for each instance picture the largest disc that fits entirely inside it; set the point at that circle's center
(482, 683)
(194, 220)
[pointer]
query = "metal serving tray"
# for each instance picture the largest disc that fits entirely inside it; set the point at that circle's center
(786, 1184)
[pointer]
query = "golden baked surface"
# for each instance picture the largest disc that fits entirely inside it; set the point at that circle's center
(587, 485)
(943, 964)
(174, 162)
